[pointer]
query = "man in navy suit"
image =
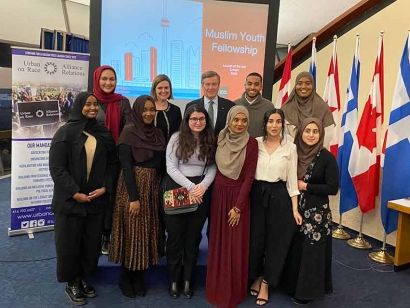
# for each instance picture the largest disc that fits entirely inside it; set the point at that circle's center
(216, 106)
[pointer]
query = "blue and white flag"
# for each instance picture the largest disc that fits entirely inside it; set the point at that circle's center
(312, 66)
(396, 149)
(349, 123)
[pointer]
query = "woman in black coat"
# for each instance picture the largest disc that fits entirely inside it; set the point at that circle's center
(79, 159)
(309, 271)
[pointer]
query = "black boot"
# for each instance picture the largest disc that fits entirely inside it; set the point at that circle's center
(105, 245)
(173, 290)
(87, 290)
(72, 289)
(138, 283)
(125, 283)
(187, 290)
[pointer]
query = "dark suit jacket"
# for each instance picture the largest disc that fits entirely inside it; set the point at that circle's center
(223, 107)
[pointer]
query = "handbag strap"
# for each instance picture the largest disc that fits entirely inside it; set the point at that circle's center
(203, 171)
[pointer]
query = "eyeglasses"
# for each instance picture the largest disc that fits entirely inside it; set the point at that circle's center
(195, 120)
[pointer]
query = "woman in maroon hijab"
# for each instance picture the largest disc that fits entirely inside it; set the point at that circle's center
(114, 113)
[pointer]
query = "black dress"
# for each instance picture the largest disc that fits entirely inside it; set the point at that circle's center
(308, 274)
(168, 120)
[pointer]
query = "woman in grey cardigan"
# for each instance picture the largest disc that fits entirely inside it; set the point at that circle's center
(190, 153)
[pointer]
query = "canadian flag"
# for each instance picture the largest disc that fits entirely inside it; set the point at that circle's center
(364, 164)
(285, 84)
(332, 97)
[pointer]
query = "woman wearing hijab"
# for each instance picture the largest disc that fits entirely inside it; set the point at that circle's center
(79, 158)
(136, 227)
(228, 253)
(309, 274)
(274, 210)
(304, 102)
(114, 113)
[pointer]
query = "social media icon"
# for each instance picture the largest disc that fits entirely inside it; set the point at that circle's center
(24, 224)
(33, 223)
(41, 223)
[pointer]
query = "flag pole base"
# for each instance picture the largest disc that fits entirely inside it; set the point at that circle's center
(340, 234)
(381, 256)
(359, 242)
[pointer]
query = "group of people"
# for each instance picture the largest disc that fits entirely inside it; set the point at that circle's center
(260, 175)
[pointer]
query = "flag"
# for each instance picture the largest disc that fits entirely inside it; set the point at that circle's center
(348, 196)
(332, 97)
(364, 164)
(396, 148)
(312, 66)
(285, 84)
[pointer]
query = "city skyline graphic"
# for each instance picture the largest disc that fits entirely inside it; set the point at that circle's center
(160, 39)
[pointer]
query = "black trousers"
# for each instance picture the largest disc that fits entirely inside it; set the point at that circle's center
(78, 244)
(184, 237)
(271, 230)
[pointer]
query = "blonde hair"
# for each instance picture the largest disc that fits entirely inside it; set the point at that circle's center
(156, 81)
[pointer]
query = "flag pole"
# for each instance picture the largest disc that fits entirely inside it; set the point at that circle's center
(382, 256)
(359, 242)
(339, 233)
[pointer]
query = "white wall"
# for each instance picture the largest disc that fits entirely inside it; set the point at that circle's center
(395, 22)
(22, 20)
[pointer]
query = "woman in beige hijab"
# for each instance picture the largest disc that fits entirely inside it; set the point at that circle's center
(236, 158)
(303, 103)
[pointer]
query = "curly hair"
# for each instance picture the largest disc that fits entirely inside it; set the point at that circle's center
(187, 143)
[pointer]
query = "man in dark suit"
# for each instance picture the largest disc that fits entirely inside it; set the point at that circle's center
(216, 106)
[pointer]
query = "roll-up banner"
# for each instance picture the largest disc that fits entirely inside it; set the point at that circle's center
(45, 83)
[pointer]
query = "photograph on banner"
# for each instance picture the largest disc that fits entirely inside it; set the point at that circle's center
(44, 86)
(40, 110)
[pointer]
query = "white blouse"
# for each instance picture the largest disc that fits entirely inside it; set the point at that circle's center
(281, 165)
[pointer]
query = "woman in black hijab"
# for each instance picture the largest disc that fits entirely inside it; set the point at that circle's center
(136, 228)
(78, 160)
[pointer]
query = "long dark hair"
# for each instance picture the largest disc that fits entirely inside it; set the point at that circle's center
(187, 143)
(266, 119)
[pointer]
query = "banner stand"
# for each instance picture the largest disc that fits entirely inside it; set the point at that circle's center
(30, 232)
(44, 86)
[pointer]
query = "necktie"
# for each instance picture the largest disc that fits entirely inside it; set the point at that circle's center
(211, 112)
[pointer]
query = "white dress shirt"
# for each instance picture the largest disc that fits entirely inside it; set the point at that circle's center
(215, 106)
(281, 165)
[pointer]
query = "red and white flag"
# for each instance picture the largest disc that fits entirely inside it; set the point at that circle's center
(332, 97)
(285, 83)
(364, 165)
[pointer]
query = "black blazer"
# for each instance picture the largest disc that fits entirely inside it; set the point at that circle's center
(68, 169)
(224, 105)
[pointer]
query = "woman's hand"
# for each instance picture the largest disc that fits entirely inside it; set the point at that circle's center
(96, 193)
(135, 208)
(233, 218)
(81, 198)
(198, 199)
(302, 185)
(297, 217)
(198, 191)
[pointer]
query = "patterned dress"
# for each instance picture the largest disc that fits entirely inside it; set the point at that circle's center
(308, 272)
(135, 241)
